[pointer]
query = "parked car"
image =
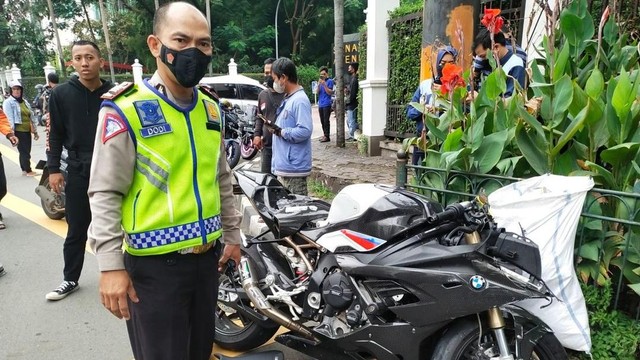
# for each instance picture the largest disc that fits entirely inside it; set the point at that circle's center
(238, 89)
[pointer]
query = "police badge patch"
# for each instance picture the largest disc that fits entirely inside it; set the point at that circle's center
(112, 126)
(151, 118)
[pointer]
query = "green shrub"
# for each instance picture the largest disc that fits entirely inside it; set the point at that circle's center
(614, 335)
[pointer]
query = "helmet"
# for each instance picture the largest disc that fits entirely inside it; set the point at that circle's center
(15, 83)
(39, 87)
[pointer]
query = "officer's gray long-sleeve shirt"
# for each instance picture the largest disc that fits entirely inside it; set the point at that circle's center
(112, 171)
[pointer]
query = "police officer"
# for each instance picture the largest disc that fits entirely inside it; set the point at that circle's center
(160, 180)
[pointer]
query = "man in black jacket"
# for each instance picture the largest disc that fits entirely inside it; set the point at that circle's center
(268, 102)
(352, 101)
(73, 118)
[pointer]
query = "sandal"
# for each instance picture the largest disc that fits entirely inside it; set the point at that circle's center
(2, 225)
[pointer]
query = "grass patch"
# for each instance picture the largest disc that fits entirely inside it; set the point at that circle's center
(320, 190)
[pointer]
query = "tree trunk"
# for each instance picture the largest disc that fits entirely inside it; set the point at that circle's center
(86, 16)
(103, 15)
(52, 15)
(338, 16)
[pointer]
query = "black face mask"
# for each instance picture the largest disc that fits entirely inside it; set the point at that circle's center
(269, 82)
(188, 65)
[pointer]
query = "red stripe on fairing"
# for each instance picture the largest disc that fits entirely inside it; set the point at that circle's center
(366, 244)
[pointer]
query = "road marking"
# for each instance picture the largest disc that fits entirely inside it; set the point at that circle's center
(12, 155)
(34, 213)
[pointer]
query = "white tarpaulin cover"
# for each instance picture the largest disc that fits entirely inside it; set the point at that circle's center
(548, 208)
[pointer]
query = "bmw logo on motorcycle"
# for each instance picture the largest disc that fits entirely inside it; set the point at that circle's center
(478, 282)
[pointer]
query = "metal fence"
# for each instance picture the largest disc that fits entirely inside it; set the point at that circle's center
(606, 234)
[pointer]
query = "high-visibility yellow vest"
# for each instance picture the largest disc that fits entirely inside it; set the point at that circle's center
(174, 200)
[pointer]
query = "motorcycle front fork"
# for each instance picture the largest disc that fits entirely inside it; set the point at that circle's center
(497, 324)
(496, 321)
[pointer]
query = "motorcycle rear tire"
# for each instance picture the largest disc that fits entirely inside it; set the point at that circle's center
(247, 150)
(237, 332)
(233, 153)
(460, 340)
(53, 215)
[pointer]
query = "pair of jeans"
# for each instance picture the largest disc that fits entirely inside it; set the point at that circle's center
(352, 122)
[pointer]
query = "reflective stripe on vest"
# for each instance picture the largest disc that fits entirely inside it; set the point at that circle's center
(174, 200)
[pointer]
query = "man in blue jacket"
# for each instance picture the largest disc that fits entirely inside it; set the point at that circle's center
(291, 145)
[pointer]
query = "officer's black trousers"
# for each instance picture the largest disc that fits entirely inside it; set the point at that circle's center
(78, 214)
(174, 319)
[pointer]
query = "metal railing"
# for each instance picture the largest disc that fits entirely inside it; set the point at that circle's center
(608, 223)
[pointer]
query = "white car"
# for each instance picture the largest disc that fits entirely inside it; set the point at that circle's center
(238, 89)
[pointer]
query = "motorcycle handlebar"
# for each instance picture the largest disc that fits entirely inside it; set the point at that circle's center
(452, 212)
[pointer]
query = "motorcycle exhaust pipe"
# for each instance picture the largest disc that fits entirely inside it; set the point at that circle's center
(250, 286)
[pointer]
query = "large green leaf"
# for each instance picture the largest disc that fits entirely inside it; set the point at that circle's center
(490, 151)
(508, 165)
(476, 132)
(595, 84)
(576, 125)
(623, 96)
(572, 27)
(590, 250)
(613, 124)
(603, 176)
(452, 142)
(533, 147)
(430, 123)
(495, 84)
(531, 121)
(563, 95)
(451, 159)
(561, 62)
(620, 154)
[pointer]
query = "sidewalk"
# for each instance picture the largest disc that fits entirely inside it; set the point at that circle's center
(338, 167)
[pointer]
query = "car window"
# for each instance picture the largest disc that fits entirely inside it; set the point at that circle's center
(250, 92)
(227, 91)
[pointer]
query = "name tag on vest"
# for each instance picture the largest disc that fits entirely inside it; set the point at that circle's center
(150, 131)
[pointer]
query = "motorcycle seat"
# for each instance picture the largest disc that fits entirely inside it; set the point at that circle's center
(264, 355)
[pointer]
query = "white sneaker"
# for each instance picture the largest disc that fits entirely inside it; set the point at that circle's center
(66, 288)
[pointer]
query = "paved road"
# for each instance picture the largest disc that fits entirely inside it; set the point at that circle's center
(75, 328)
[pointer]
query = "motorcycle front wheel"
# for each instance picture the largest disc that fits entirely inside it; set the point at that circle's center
(247, 150)
(232, 149)
(464, 341)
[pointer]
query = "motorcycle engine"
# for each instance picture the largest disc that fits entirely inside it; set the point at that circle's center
(337, 291)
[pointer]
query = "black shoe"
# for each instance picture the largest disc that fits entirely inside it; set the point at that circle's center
(325, 139)
(66, 288)
(2, 272)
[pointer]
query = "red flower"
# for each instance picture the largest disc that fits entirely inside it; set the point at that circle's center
(492, 21)
(451, 78)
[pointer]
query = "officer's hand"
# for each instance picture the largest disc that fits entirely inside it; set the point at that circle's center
(230, 252)
(257, 142)
(56, 181)
(115, 286)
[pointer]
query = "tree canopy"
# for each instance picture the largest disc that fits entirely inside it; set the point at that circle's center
(241, 29)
